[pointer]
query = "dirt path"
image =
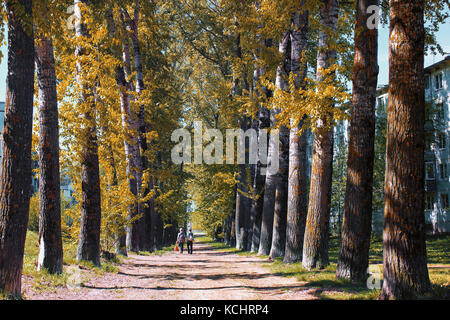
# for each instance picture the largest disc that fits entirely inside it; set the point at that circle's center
(207, 274)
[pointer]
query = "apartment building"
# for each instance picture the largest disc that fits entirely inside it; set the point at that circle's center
(437, 144)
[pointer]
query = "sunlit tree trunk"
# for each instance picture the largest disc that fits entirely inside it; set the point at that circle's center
(16, 157)
(262, 123)
(136, 232)
(258, 185)
(89, 240)
(281, 188)
(265, 240)
(123, 87)
(298, 161)
(315, 246)
(356, 227)
(50, 239)
(243, 203)
(134, 165)
(405, 272)
(130, 142)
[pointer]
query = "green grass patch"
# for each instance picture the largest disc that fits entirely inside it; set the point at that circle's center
(221, 246)
(328, 287)
(42, 280)
(324, 281)
(157, 252)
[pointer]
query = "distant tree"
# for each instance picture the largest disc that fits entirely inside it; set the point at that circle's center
(340, 155)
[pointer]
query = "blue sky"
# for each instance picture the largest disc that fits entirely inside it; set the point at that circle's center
(443, 38)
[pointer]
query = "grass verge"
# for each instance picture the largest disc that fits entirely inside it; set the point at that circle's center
(328, 287)
(43, 281)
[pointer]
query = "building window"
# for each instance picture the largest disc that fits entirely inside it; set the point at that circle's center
(438, 81)
(428, 142)
(429, 201)
(440, 111)
(442, 140)
(443, 170)
(429, 171)
(444, 200)
(427, 82)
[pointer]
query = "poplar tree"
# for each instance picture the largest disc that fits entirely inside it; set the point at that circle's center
(315, 247)
(50, 238)
(16, 139)
(356, 228)
(89, 239)
(405, 272)
(298, 161)
(281, 187)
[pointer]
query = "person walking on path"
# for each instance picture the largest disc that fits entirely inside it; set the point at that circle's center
(180, 239)
(190, 241)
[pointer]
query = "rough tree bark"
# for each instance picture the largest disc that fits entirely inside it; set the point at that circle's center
(356, 227)
(124, 87)
(315, 246)
(16, 158)
(265, 239)
(243, 203)
(50, 238)
(258, 184)
(242, 212)
(405, 272)
(281, 188)
(262, 123)
(89, 240)
(298, 161)
(141, 226)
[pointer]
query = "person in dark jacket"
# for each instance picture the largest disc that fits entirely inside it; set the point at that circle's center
(190, 240)
(180, 239)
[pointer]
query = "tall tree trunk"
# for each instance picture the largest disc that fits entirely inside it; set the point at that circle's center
(16, 158)
(259, 180)
(258, 184)
(280, 206)
(50, 238)
(89, 241)
(356, 228)
(297, 205)
(405, 273)
(265, 240)
(315, 246)
(242, 213)
(142, 223)
(130, 143)
(243, 202)
(132, 239)
(123, 87)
